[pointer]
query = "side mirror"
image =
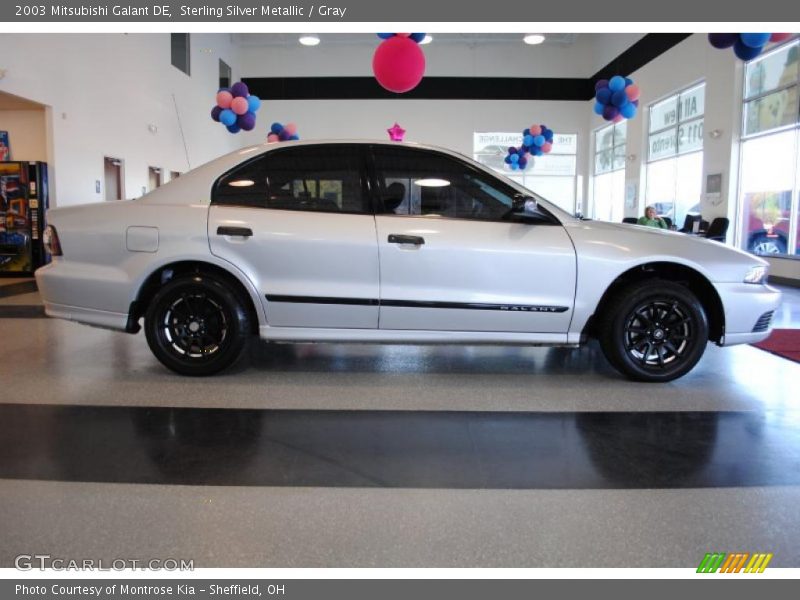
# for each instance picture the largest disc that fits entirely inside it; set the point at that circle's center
(523, 205)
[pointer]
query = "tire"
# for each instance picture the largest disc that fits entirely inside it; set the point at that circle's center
(654, 331)
(197, 325)
(763, 245)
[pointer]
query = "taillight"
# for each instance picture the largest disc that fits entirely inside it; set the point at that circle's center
(50, 240)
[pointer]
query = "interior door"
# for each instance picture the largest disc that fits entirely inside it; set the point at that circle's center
(452, 257)
(299, 222)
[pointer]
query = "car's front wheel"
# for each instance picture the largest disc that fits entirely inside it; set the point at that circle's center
(654, 331)
(196, 325)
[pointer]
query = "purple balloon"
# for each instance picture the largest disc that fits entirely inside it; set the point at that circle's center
(723, 40)
(603, 83)
(610, 112)
(512, 150)
(239, 89)
(247, 121)
(215, 113)
(283, 136)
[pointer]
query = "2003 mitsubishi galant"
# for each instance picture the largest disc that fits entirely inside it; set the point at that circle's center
(348, 241)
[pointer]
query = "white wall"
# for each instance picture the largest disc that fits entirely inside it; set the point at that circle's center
(27, 133)
(105, 89)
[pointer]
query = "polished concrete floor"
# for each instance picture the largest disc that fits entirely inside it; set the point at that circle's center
(337, 455)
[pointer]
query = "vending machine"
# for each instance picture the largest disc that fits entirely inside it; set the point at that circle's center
(23, 203)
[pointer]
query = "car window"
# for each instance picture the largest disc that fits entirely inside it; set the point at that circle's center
(421, 182)
(325, 178)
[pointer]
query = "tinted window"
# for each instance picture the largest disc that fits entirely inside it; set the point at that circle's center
(418, 182)
(320, 178)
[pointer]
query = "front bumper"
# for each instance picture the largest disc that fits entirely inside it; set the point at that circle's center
(744, 305)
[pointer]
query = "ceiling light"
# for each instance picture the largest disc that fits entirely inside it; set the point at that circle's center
(427, 39)
(533, 39)
(432, 182)
(241, 183)
(309, 39)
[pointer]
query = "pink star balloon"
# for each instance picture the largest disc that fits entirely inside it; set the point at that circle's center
(396, 133)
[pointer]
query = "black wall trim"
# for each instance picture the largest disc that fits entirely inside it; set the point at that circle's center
(417, 304)
(17, 288)
(642, 52)
(22, 311)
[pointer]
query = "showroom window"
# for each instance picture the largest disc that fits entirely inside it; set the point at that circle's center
(608, 189)
(552, 176)
(318, 179)
(415, 182)
(675, 154)
(769, 170)
(181, 52)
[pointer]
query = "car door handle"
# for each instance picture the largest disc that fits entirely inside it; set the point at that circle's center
(395, 238)
(240, 231)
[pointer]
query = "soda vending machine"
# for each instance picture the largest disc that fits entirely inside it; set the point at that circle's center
(23, 203)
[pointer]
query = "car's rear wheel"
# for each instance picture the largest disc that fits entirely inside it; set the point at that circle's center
(196, 325)
(654, 331)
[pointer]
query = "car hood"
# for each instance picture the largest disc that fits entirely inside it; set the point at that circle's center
(637, 244)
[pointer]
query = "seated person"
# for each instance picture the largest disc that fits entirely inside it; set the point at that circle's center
(651, 219)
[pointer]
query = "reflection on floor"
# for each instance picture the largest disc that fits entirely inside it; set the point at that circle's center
(338, 455)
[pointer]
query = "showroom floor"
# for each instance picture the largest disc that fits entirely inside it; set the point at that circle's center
(390, 456)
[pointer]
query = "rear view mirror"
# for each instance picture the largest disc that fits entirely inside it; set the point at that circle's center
(522, 204)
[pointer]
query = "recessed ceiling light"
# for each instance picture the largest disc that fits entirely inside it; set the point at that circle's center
(309, 39)
(427, 39)
(533, 39)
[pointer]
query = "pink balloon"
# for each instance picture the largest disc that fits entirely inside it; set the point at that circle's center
(536, 129)
(273, 137)
(618, 118)
(546, 147)
(239, 105)
(632, 91)
(779, 37)
(404, 34)
(224, 99)
(398, 64)
(290, 128)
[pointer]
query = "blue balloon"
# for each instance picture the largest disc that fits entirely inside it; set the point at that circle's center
(628, 81)
(745, 52)
(523, 162)
(549, 135)
(234, 128)
(539, 140)
(507, 159)
(604, 96)
(514, 166)
(386, 36)
(227, 117)
(619, 99)
(755, 40)
(514, 158)
(417, 37)
(628, 111)
(276, 128)
(526, 131)
(538, 152)
(528, 140)
(253, 103)
(616, 83)
(294, 137)
(598, 108)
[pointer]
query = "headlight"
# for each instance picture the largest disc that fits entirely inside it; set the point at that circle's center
(756, 275)
(51, 242)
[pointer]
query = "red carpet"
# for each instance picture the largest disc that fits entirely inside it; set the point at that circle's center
(784, 343)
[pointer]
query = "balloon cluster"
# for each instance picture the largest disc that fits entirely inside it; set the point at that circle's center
(616, 98)
(398, 62)
(745, 45)
(536, 140)
(236, 108)
(282, 133)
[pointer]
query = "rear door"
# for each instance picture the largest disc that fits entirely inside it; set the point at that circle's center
(298, 221)
(453, 258)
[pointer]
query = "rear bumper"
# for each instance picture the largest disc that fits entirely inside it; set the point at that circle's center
(88, 316)
(744, 305)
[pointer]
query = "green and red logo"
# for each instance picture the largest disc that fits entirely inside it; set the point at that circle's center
(736, 562)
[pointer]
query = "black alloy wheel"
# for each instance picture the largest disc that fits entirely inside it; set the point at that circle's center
(196, 325)
(654, 331)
